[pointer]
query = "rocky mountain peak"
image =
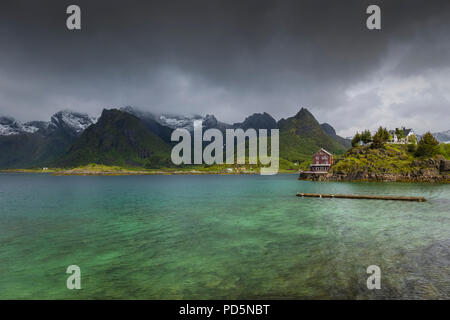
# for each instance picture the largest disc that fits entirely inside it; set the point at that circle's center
(72, 122)
(257, 121)
(304, 114)
(328, 129)
(10, 126)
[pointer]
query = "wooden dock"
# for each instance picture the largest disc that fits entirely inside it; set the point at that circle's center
(352, 196)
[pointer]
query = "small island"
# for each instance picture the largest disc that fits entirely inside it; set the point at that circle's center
(385, 157)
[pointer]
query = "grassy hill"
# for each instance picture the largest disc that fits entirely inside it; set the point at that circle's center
(301, 136)
(394, 159)
(118, 138)
(394, 162)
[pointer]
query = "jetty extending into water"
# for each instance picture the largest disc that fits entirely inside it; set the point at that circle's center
(353, 196)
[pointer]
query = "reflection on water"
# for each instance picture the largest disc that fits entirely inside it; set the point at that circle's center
(205, 237)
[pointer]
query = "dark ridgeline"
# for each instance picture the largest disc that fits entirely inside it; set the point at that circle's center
(131, 137)
(118, 138)
(257, 121)
(40, 143)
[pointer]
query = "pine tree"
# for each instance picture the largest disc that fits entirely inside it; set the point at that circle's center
(356, 140)
(428, 146)
(400, 133)
(366, 137)
(380, 138)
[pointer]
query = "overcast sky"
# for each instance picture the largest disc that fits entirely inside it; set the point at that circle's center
(231, 59)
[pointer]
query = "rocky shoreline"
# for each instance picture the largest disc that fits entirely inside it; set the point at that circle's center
(437, 171)
(376, 177)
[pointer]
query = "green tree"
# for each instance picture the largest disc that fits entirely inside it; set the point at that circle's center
(400, 133)
(366, 137)
(386, 135)
(356, 140)
(380, 138)
(412, 148)
(412, 139)
(428, 146)
(445, 150)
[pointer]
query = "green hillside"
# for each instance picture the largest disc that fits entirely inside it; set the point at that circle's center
(118, 138)
(393, 161)
(301, 136)
(32, 150)
(121, 138)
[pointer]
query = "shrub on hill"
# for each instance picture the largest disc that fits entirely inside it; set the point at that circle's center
(428, 146)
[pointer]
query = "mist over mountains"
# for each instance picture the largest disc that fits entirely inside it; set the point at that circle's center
(131, 137)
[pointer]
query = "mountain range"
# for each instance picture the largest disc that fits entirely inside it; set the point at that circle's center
(39, 143)
(117, 138)
(132, 137)
(443, 136)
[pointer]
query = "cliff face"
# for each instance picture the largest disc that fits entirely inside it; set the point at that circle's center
(391, 164)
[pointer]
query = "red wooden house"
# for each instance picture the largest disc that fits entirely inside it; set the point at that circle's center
(322, 161)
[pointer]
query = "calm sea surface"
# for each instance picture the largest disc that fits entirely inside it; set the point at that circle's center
(214, 237)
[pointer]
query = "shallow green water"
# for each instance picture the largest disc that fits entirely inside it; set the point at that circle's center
(213, 237)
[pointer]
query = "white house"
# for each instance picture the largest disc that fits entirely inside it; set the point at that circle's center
(407, 134)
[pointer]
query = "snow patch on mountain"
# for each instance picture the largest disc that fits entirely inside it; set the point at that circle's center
(443, 136)
(175, 121)
(74, 121)
(39, 125)
(29, 129)
(10, 126)
(179, 122)
(187, 122)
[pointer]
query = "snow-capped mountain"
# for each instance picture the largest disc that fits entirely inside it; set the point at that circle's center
(443, 136)
(39, 125)
(187, 122)
(72, 122)
(172, 121)
(175, 122)
(10, 126)
(39, 143)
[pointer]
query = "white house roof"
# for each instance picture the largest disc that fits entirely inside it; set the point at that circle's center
(325, 151)
(406, 132)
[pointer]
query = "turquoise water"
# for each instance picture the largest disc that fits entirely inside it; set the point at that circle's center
(219, 237)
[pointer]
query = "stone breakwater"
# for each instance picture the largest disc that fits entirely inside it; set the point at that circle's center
(433, 171)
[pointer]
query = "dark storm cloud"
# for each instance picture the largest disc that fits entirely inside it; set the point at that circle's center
(230, 58)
